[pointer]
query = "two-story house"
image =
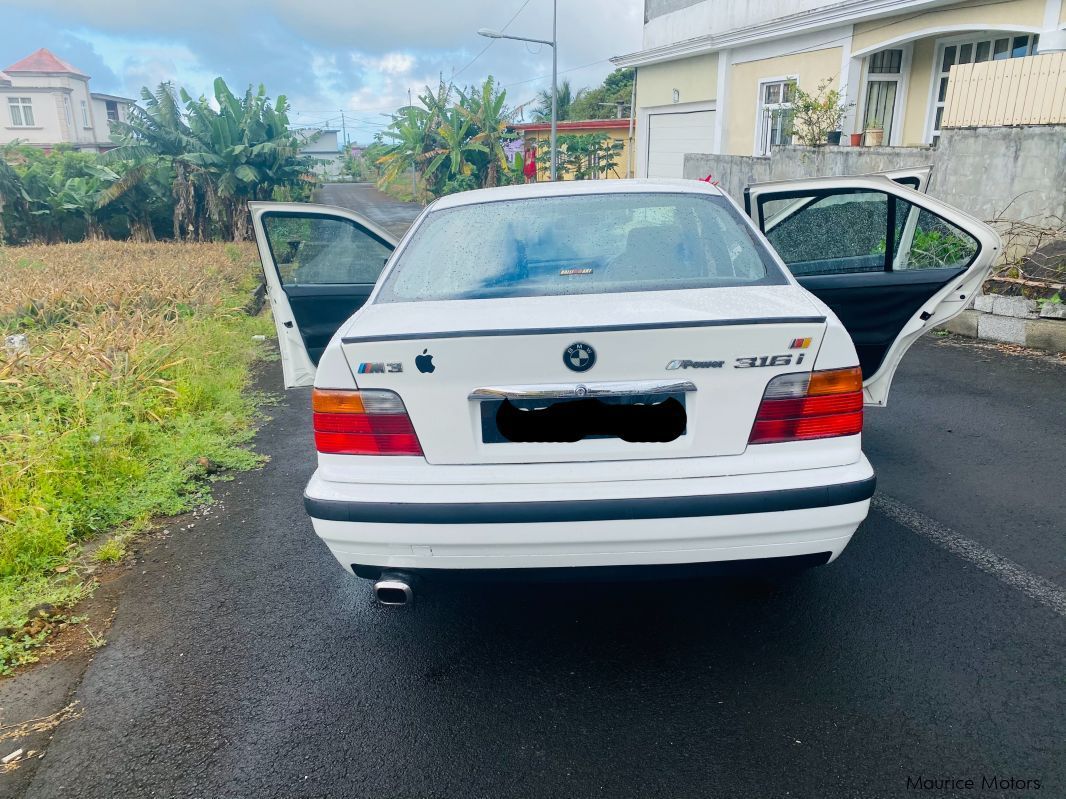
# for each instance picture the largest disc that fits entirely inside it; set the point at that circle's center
(44, 101)
(717, 76)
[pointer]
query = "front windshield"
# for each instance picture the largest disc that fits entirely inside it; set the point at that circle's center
(579, 244)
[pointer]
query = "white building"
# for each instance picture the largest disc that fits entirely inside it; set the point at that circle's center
(321, 144)
(45, 101)
(718, 76)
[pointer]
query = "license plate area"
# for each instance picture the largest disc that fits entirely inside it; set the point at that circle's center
(634, 418)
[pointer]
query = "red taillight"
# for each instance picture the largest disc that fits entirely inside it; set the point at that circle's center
(362, 423)
(810, 405)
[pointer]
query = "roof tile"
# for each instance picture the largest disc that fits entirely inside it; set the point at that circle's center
(44, 61)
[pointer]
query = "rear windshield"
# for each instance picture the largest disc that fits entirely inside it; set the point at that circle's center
(585, 244)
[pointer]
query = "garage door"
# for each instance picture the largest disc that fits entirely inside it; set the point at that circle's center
(670, 136)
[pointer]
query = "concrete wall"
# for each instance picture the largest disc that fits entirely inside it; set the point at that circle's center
(981, 171)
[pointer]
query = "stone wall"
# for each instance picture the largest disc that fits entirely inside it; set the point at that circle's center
(1019, 173)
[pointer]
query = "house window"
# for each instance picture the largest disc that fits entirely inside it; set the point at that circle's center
(112, 110)
(883, 72)
(85, 115)
(775, 114)
(21, 112)
(995, 48)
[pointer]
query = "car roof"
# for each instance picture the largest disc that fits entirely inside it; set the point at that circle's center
(570, 188)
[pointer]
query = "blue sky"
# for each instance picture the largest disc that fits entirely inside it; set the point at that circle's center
(361, 56)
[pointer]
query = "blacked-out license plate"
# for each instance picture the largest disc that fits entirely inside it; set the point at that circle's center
(638, 419)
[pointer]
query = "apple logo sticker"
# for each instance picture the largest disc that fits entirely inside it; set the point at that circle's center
(424, 362)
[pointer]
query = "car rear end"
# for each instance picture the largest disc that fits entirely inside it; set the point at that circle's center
(588, 407)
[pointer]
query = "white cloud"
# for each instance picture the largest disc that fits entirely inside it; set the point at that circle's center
(330, 54)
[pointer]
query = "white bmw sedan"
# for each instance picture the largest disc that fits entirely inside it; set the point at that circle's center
(618, 375)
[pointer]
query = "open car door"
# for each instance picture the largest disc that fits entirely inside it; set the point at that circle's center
(320, 264)
(914, 177)
(890, 262)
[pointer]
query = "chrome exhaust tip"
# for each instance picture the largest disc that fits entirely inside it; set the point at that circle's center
(394, 590)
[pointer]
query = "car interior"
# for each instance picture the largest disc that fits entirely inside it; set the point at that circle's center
(328, 267)
(875, 260)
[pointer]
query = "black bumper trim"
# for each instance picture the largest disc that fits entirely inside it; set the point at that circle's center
(589, 510)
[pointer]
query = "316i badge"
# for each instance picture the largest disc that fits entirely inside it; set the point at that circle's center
(579, 357)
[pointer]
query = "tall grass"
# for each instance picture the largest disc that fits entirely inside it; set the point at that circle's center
(130, 380)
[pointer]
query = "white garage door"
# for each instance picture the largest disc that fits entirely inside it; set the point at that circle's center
(670, 136)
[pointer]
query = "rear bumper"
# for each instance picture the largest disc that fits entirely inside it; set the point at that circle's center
(624, 523)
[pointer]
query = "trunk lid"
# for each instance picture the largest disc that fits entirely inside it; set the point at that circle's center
(713, 350)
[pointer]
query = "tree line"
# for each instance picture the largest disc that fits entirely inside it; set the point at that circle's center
(460, 138)
(185, 167)
(182, 168)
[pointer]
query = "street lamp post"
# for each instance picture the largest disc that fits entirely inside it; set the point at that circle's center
(491, 34)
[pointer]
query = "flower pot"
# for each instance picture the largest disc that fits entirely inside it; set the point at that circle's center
(856, 140)
(874, 137)
(833, 137)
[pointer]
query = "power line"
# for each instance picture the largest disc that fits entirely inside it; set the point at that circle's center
(485, 49)
(561, 72)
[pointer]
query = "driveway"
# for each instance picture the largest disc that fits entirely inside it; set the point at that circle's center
(393, 215)
(243, 661)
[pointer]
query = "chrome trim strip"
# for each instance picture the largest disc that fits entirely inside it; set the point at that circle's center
(582, 390)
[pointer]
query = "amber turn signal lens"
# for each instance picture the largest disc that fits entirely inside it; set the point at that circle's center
(835, 381)
(327, 401)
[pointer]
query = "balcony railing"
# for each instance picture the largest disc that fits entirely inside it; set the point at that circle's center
(1016, 91)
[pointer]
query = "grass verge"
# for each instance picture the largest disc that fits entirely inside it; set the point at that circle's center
(122, 388)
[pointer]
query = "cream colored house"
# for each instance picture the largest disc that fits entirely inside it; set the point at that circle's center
(716, 76)
(44, 101)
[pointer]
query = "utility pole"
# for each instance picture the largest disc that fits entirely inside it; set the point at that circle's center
(555, 88)
(344, 131)
(554, 45)
(414, 174)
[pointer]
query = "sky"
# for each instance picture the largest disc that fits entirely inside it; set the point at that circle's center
(325, 56)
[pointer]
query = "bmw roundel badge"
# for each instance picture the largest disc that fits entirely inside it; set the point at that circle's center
(579, 357)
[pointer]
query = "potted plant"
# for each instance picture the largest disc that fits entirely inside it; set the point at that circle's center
(816, 117)
(856, 139)
(875, 133)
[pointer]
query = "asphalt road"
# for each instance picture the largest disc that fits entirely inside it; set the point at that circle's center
(244, 662)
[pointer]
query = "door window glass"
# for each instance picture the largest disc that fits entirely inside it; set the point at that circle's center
(310, 250)
(847, 233)
(840, 233)
(926, 241)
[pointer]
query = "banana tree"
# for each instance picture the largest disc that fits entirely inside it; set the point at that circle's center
(487, 113)
(455, 144)
(409, 134)
(243, 151)
(155, 131)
